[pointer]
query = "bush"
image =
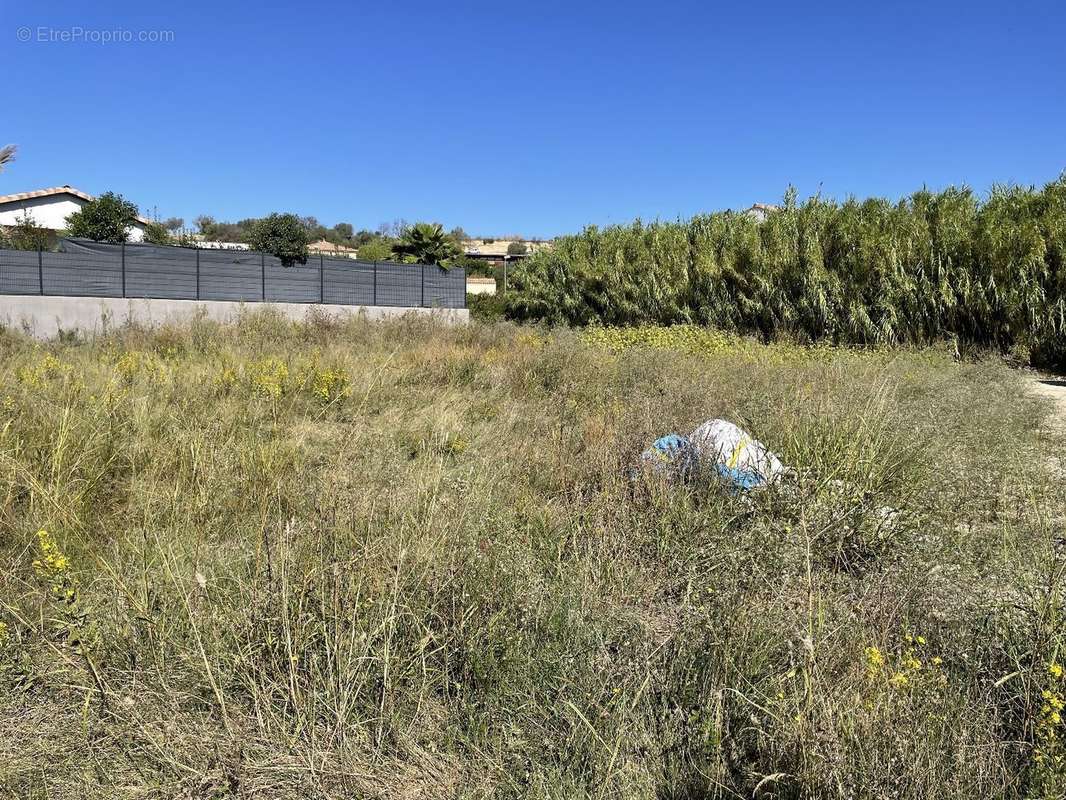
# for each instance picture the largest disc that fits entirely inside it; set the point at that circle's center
(26, 234)
(935, 265)
(485, 307)
(281, 235)
(106, 219)
(157, 233)
(379, 249)
(473, 266)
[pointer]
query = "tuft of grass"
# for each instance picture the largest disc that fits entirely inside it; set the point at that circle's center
(400, 560)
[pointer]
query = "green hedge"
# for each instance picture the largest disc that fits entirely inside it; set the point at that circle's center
(934, 265)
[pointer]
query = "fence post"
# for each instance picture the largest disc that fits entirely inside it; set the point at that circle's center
(123, 269)
(321, 281)
(422, 301)
(263, 274)
(197, 273)
(40, 270)
(375, 302)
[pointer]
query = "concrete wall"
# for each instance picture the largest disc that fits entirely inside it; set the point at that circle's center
(481, 286)
(52, 212)
(44, 317)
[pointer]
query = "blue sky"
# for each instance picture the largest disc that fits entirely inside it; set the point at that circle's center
(532, 118)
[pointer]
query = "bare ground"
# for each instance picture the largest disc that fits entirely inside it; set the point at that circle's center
(1054, 390)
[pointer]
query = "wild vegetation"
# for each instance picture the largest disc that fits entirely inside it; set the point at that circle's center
(933, 266)
(106, 218)
(396, 560)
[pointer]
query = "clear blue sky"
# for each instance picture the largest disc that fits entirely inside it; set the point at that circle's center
(533, 118)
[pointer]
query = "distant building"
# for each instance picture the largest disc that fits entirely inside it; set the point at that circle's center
(49, 208)
(326, 248)
(199, 241)
(760, 211)
(495, 250)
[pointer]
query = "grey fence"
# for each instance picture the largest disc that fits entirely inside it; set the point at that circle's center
(92, 269)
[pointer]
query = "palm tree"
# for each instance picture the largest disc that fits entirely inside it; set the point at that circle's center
(426, 243)
(7, 155)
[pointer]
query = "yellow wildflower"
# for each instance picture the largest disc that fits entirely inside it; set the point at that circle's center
(898, 681)
(875, 661)
(53, 562)
(269, 377)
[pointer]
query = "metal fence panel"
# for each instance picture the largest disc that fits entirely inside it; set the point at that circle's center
(445, 288)
(347, 282)
(296, 284)
(19, 272)
(96, 269)
(82, 274)
(231, 275)
(399, 284)
(169, 276)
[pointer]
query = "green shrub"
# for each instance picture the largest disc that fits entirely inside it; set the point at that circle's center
(485, 307)
(105, 219)
(281, 235)
(933, 266)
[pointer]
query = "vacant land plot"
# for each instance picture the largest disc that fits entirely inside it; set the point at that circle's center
(395, 560)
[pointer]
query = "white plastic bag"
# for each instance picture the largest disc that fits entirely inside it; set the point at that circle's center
(721, 442)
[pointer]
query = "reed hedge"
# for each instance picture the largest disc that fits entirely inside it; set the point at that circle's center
(933, 266)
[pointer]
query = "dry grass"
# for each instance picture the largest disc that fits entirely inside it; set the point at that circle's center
(394, 560)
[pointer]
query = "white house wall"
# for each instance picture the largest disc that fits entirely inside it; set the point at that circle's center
(52, 212)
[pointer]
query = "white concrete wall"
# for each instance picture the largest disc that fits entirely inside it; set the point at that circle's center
(481, 286)
(44, 317)
(52, 212)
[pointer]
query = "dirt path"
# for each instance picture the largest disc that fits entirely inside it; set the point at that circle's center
(1053, 389)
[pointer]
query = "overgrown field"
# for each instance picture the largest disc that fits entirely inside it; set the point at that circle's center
(930, 267)
(402, 561)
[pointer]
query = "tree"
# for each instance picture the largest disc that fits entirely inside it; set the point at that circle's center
(394, 229)
(517, 249)
(426, 243)
(473, 266)
(26, 234)
(282, 235)
(105, 219)
(7, 155)
(458, 234)
(344, 230)
(377, 249)
(174, 224)
(204, 224)
(157, 233)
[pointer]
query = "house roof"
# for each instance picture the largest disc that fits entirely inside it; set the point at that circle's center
(322, 244)
(65, 189)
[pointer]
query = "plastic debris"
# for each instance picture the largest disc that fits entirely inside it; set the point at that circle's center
(739, 461)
